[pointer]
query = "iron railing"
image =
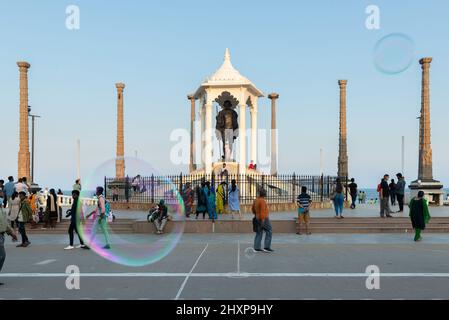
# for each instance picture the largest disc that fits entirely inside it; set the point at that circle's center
(283, 188)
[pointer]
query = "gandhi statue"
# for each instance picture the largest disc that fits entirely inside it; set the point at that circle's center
(227, 128)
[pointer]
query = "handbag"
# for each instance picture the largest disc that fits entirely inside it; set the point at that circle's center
(256, 225)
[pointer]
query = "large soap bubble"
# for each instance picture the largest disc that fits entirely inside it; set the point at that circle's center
(394, 53)
(143, 185)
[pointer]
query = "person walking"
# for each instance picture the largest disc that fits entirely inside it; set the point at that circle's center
(384, 195)
(14, 208)
(338, 199)
(392, 187)
(400, 191)
(201, 200)
(353, 192)
(74, 214)
(5, 228)
(262, 223)
(8, 190)
(188, 197)
(221, 197)
(51, 213)
(25, 215)
(419, 214)
(303, 203)
(100, 218)
(234, 199)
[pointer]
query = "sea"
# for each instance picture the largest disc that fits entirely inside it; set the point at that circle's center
(371, 194)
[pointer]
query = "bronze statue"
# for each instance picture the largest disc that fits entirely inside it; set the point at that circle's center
(227, 128)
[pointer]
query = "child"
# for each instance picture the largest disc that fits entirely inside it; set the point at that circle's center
(303, 202)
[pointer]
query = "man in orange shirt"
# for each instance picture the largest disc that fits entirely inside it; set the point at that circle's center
(260, 210)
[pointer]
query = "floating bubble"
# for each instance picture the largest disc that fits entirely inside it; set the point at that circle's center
(394, 53)
(143, 185)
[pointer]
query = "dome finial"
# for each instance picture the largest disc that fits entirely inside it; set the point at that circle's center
(227, 56)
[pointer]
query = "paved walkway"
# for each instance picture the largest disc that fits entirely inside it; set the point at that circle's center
(225, 267)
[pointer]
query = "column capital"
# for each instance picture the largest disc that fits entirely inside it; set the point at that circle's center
(273, 96)
(120, 86)
(425, 61)
(23, 64)
(191, 97)
(342, 83)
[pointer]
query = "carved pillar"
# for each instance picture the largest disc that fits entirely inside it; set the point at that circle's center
(192, 166)
(274, 148)
(208, 138)
(343, 148)
(24, 145)
(242, 137)
(425, 149)
(120, 160)
(254, 110)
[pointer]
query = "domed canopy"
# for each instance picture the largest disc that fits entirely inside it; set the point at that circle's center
(228, 76)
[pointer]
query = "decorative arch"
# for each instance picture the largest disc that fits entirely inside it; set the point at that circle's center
(225, 95)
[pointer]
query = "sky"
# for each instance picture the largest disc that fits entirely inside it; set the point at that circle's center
(163, 50)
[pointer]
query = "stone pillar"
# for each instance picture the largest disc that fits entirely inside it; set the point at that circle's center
(242, 137)
(425, 172)
(192, 166)
(254, 131)
(343, 148)
(201, 126)
(274, 148)
(24, 144)
(208, 138)
(120, 160)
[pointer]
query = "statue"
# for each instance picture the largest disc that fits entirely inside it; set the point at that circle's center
(227, 128)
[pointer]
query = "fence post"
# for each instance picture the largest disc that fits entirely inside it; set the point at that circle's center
(105, 189)
(294, 187)
(322, 187)
(127, 189)
(180, 183)
(152, 188)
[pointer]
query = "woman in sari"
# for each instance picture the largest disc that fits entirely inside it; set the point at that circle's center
(234, 200)
(187, 196)
(419, 214)
(201, 206)
(221, 197)
(211, 207)
(52, 210)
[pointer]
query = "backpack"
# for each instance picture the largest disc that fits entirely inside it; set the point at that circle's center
(379, 187)
(107, 207)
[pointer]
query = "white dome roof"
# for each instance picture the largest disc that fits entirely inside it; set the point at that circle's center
(227, 72)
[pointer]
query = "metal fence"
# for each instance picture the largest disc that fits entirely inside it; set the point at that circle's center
(282, 188)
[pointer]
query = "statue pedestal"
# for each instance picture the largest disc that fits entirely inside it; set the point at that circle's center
(433, 191)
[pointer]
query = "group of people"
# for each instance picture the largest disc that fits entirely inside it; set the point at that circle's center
(391, 192)
(211, 200)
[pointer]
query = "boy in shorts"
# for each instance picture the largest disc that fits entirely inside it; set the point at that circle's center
(303, 203)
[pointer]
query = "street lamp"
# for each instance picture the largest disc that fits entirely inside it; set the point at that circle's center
(32, 116)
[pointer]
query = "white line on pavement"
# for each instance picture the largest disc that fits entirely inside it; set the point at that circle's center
(238, 256)
(190, 273)
(43, 263)
(225, 275)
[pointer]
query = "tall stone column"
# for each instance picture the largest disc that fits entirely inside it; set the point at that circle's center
(120, 160)
(208, 139)
(202, 128)
(242, 137)
(254, 131)
(274, 148)
(192, 166)
(343, 147)
(425, 173)
(24, 144)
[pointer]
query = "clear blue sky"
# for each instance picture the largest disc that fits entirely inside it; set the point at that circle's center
(162, 50)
